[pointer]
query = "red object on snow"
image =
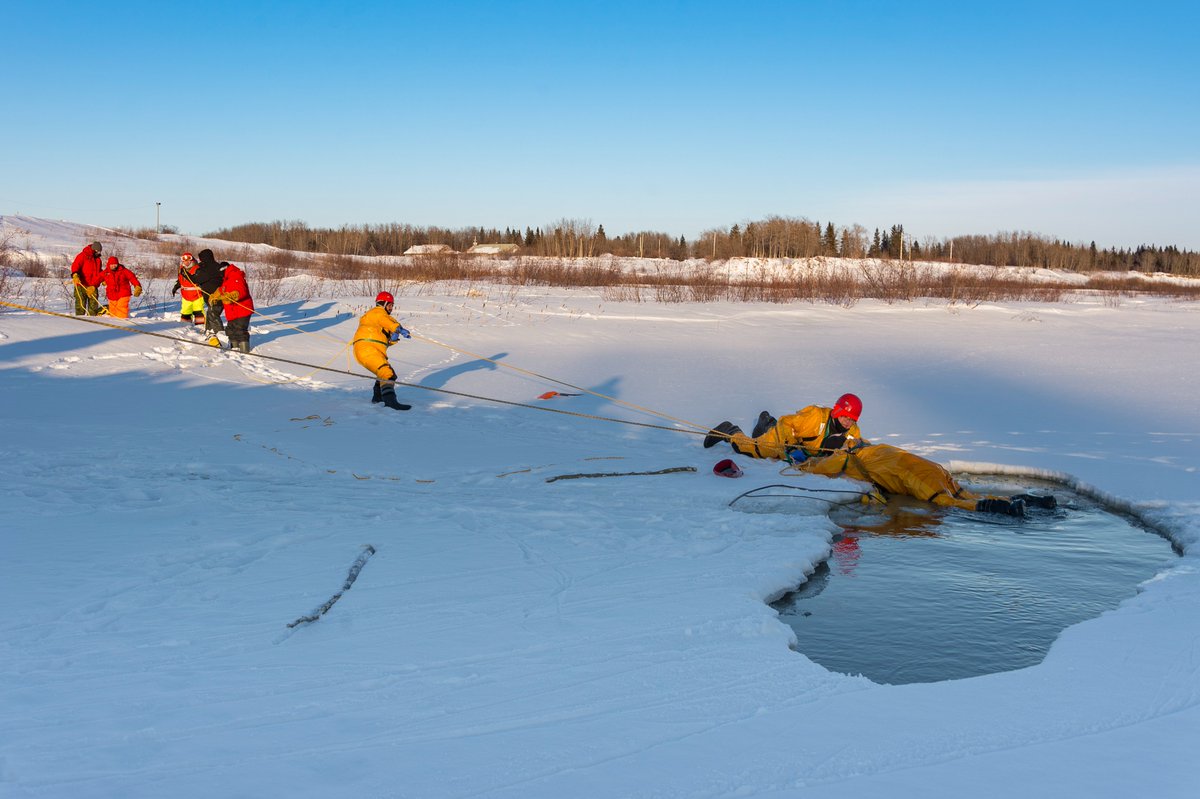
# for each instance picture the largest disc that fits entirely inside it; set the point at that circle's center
(727, 468)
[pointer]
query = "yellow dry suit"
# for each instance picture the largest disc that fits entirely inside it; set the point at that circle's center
(896, 471)
(371, 340)
(809, 429)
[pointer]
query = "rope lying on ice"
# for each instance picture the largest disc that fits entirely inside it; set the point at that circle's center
(859, 496)
(703, 429)
(315, 367)
(361, 561)
(671, 470)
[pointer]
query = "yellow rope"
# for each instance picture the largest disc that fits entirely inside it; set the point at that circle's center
(643, 409)
(316, 368)
(699, 428)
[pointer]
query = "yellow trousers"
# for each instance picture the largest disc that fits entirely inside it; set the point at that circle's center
(897, 471)
(119, 308)
(192, 308)
(373, 356)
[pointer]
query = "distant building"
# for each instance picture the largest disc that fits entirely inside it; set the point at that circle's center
(429, 249)
(494, 249)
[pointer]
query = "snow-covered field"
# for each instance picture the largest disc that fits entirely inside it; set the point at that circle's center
(169, 509)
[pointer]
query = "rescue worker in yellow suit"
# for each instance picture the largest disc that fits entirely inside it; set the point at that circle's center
(810, 431)
(896, 471)
(377, 331)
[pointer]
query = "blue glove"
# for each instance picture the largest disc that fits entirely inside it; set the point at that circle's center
(797, 456)
(401, 331)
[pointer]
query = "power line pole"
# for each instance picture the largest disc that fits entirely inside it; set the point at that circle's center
(157, 222)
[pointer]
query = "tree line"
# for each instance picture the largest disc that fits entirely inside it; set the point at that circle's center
(773, 237)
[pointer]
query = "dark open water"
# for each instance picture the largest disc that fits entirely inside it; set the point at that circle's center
(919, 594)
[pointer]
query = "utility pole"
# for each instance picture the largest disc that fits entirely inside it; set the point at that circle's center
(157, 218)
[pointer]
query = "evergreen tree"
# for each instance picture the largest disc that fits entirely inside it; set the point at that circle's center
(895, 245)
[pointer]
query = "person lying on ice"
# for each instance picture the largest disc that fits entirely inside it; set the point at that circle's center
(377, 331)
(896, 471)
(811, 431)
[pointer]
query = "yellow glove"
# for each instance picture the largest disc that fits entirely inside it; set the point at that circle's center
(90, 290)
(216, 296)
(137, 291)
(75, 279)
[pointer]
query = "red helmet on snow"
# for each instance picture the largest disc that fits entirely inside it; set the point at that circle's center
(384, 297)
(847, 405)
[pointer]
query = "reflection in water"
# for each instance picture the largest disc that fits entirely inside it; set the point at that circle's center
(914, 593)
(903, 517)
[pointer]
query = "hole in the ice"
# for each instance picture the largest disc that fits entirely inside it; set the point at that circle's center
(916, 593)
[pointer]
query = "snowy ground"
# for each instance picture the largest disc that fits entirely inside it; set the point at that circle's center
(169, 509)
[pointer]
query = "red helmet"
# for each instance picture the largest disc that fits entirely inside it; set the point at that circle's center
(384, 297)
(847, 405)
(187, 256)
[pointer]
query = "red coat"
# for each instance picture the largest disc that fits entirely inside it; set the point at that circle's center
(87, 266)
(119, 282)
(187, 289)
(233, 281)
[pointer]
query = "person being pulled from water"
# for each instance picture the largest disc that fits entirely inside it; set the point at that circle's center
(896, 471)
(809, 432)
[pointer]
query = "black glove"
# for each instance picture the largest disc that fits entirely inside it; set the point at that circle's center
(175, 289)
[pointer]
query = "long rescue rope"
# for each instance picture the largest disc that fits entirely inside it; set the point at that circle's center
(316, 367)
(698, 427)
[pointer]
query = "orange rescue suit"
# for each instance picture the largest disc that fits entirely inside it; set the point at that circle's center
(896, 471)
(809, 429)
(371, 340)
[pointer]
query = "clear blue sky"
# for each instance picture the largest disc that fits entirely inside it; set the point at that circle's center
(1079, 120)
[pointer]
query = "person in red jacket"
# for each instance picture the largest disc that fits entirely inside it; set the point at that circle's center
(191, 300)
(120, 283)
(86, 272)
(234, 295)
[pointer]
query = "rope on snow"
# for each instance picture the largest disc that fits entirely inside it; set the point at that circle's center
(859, 496)
(361, 561)
(620, 474)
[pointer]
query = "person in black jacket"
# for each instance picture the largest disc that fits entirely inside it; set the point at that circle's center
(208, 277)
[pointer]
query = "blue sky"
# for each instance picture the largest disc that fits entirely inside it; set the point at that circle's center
(1079, 120)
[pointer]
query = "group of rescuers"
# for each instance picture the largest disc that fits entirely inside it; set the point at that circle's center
(207, 288)
(815, 439)
(826, 441)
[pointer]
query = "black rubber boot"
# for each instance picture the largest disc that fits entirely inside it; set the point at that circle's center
(376, 394)
(720, 433)
(388, 393)
(1006, 507)
(765, 422)
(1047, 502)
